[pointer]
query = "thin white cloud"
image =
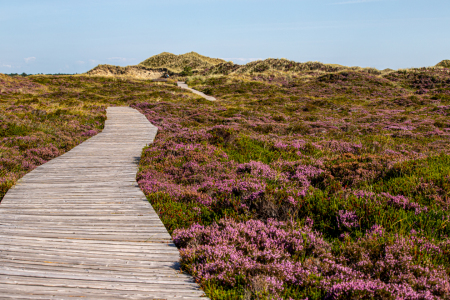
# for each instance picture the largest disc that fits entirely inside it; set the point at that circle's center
(355, 2)
(29, 59)
(93, 61)
(80, 62)
(7, 66)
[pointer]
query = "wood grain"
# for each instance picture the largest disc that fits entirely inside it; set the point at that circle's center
(79, 226)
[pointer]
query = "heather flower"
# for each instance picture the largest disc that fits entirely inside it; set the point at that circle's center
(291, 200)
(309, 222)
(89, 133)
(258, 169)
(364, 194)
(249, 189)
(342, 147)
(347, 219)
(400, 201)
(376, 230)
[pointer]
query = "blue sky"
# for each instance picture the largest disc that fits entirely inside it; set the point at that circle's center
(68, 36)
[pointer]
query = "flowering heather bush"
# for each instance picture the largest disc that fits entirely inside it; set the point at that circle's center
(292, 258)
(230, 253)
(313, 184)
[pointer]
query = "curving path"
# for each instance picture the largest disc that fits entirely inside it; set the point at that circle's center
(183, 85)
(79, 226)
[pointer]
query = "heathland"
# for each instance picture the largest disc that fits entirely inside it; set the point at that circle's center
(303, 180)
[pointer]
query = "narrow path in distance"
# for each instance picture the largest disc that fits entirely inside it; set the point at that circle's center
(186, 87)
(79, 226)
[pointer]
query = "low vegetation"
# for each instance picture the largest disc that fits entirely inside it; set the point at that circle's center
(45, 116)
(302, 181)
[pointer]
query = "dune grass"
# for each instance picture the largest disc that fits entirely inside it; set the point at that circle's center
(177, 63)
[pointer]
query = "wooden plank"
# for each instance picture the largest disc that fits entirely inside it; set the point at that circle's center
(90, 243)
(105, 278)
(19, 291)
(102, 237)
(80, 218)
(120, 272)
(159, 255)
(79, 226)
(86, 245)
(187, 288)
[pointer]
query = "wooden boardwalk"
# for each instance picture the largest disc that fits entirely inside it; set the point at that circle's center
(186, 87)
(80, 227)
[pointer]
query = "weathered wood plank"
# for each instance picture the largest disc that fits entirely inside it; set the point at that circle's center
(88, 243)
(94, 277)
(144, 273)
(188, 288)
(19, 291)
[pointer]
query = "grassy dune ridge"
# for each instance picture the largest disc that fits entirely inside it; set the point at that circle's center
(302, 181)
(444, 64)
(176, 63)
